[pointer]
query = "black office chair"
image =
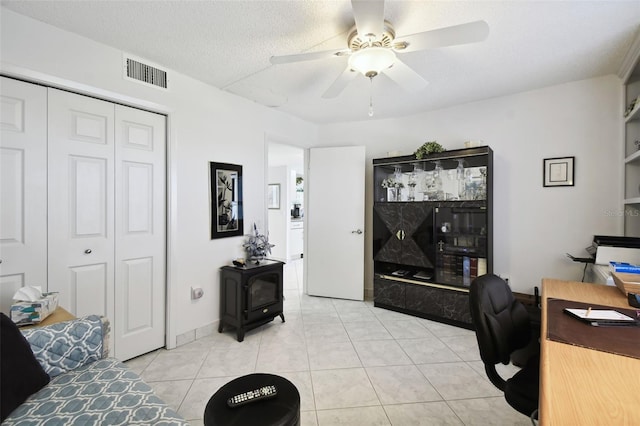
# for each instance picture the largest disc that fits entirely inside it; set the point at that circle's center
(502, 327)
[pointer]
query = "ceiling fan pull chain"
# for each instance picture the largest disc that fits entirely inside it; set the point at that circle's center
(371, 97)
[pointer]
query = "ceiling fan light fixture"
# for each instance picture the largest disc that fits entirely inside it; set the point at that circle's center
(372, 60)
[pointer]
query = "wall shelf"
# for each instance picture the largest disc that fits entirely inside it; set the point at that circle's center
(634, 114)
(630, 74)
(633, 157)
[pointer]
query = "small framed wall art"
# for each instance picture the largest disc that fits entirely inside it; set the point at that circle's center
(558, 171)
(274, 196)
(226, 200)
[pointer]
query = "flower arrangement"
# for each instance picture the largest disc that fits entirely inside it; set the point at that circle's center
(257, 245)
(427, 148)
(392, 183)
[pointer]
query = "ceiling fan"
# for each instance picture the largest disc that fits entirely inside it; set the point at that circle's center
(372, 47)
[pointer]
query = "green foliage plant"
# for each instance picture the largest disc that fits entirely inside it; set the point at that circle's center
(427, 148)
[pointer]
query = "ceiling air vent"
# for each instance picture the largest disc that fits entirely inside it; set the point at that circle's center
(138, 71)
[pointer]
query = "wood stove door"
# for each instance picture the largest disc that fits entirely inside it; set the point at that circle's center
(264, 295)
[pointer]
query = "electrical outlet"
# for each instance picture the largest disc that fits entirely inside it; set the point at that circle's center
(196, 293)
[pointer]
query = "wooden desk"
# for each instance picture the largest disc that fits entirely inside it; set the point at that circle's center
(580, 386)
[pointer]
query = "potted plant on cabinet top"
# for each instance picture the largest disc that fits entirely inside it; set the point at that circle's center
(257, 245)
(427, 148)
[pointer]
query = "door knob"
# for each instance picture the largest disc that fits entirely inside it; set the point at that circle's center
(357, 231)
(87, 251)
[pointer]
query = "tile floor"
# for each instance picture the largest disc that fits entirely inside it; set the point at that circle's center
(353, 364)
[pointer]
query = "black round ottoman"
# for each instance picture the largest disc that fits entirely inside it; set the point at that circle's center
(281, 410)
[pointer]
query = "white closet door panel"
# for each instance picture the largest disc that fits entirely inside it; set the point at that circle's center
(23, 196)
(12, 193)
(88, 186)
(9, 284)
(89, 127)
(140, 232)
(138, 135)
(81, 206)
(138, 198)
(137, 286)
(89, 289)
(11, 109)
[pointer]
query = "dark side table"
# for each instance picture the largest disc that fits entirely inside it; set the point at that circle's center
(281, 410)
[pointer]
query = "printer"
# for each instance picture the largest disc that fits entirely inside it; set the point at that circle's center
(605, 249)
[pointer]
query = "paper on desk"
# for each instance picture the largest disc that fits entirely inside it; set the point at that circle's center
(600, 315)
(28, 294)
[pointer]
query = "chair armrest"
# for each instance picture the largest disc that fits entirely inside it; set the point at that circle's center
(67, 345)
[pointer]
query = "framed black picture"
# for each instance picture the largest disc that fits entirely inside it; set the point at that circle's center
(558, 171)
(226, 200)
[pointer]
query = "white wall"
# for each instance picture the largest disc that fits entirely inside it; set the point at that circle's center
(205, 124)
(533, 226)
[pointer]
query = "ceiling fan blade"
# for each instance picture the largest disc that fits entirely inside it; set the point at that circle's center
(470, 32)
(406, 78)
(369, 16)
(340, 83)
(310, 56)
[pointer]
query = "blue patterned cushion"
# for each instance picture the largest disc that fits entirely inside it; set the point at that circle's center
(105, 392)
(68, 345)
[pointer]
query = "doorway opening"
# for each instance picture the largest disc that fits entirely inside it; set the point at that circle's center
(285, 206)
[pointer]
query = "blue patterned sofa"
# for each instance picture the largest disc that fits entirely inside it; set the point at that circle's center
(87, 387)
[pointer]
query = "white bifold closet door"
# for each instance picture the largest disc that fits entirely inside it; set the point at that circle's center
(106, 189)
(23, 188)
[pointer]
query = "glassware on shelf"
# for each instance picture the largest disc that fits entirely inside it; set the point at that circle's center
(438, 168)
(414, 178)
(460, 169)
(393, 194)
(398, 185)
(469, 187)
(393, 184)
(433, 184)
(397, 173)
(437, 175)
(482, 188)
(428, 186)
(460, 179)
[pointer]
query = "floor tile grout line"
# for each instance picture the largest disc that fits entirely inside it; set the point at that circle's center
(304, 337)
(384, 319)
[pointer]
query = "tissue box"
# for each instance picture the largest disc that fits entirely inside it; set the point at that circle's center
(23, 313)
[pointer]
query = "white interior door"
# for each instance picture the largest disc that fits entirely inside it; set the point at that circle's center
(335, 222)
(140, 232)
(23, 188)
(81, 204)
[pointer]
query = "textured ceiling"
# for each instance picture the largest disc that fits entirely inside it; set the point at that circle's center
(228, 44)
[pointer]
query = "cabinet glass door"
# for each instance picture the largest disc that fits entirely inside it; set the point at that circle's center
(461, 244)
